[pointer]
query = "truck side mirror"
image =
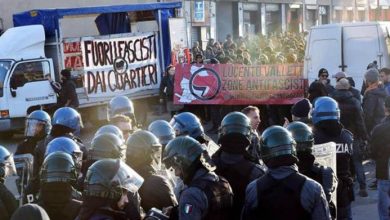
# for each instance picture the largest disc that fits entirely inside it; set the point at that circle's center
(13, 92)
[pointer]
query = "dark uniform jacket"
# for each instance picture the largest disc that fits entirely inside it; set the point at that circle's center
(380, 148)
(68, 92)
(351, 113)
(157, 192)
(310, 200)
(8, 203)
(239, 172)
(208, 196)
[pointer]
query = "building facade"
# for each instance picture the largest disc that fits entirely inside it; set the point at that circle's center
(217, 18)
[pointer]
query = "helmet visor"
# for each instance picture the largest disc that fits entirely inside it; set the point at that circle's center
(34, 127)
(177, 126)
(128, 178)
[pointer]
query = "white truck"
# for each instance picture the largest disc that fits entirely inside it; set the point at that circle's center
(347, 47)
(116, 50)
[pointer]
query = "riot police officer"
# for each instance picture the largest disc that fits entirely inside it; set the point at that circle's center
(66, 121)
(208, 196)
(327, 128)
(8, 203)
(121, 105)
(104, 146)
(143, 154)
(283, 193)
(189, 124)
(163, 131)
(324, 175)
(232, 159)
(38, 126)
(106, 186)
(58, 176)
(112, 129)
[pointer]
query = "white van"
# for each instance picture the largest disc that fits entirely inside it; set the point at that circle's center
(347, 47)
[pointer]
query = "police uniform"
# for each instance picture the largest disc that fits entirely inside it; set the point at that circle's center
(207, 196)
(198, 201)
(306, 198)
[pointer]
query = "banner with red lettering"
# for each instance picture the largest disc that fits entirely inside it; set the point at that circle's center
(235, 84)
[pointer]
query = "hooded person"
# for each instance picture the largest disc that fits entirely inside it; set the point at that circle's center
(30, 212)
(300, 111)
(143, 154)
(373, 100)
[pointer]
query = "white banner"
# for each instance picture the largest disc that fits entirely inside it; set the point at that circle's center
(120, 65)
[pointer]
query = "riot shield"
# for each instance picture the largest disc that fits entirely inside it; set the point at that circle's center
(325, 155)
(24, 168)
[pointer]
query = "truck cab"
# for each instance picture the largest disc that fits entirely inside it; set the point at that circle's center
(24, 70)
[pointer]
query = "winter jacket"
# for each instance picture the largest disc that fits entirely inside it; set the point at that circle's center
(351, 113)
(374, 107)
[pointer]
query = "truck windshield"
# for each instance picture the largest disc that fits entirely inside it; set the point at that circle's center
(4, 67)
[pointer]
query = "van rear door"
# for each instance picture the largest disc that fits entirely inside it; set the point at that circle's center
(362, 45)
(323, 51)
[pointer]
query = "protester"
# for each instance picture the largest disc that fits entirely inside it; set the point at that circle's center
(373, 100)
(68, 96)
(380, 151)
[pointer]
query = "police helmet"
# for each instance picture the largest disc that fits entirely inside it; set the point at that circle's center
(38, 124)
(183, 153)
(187, 123)
(67, 117)
(107, 145)
(120, 105)
(163, 131)
(67, 145)
(276, 141)
(7, 165)
(107, 178)
(325, 108)
(111, 129)
(143, 149)
(302, 135)
(58, 167)
(235, 123)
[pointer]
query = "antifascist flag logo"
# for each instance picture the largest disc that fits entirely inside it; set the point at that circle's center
(205, 84)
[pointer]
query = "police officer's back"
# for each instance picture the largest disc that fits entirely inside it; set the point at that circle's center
(107, 184)
(58, 177)
(283, 193)
(327, 128)
(8, 203)
(324, 175)
(38, 126)
(143, 154)
(231, 159)
(208, 196)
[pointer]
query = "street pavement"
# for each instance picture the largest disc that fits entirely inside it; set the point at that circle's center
(362, 208)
